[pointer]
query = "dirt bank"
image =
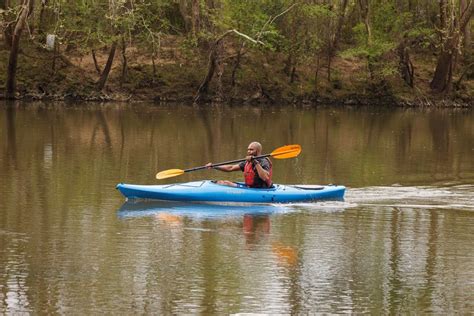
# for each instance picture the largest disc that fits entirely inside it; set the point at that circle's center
(176, 75)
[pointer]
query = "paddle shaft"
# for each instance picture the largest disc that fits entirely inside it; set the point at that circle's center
(225, 163)
(284, 152)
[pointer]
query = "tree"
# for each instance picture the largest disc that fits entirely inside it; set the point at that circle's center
(467, 29)
(42, 16)
(452, 30)
(113, 16)
(376, 36)
(8, 22)
(305, 33)
(230, 15)
(334, 41)
(15, 47)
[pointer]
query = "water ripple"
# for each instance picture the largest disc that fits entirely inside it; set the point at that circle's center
(423, 197)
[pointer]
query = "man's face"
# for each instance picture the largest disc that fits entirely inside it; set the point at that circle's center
(252, 150)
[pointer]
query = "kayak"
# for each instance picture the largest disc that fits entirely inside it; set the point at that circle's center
(210, 191)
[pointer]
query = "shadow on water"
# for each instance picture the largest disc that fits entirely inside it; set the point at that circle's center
(149, 208)
(135, 209)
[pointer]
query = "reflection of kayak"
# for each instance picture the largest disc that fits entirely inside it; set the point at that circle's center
(162, 209)
(209, 191)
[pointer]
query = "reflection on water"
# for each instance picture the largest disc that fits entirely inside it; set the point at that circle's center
(139, 208)
(402, 241)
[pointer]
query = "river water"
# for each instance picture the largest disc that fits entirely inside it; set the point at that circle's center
(401, 241)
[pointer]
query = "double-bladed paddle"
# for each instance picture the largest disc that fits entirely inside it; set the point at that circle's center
(284, 152)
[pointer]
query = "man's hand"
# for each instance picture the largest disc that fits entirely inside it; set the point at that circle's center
(209, 165)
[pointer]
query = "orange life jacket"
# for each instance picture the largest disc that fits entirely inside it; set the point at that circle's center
(250, 174)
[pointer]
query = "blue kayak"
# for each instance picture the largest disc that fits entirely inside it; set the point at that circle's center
(209, 191)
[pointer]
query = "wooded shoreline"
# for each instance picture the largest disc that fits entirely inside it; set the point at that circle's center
(350, 100)
(413, 53)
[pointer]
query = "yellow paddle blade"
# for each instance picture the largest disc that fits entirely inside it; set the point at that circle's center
(169, 173)
(288, 151)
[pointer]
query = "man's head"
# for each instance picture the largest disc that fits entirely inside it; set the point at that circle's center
(254, 149)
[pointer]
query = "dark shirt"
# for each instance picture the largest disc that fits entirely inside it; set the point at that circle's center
(257, 182)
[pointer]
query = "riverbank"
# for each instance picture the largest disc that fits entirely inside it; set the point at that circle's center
(177, 75)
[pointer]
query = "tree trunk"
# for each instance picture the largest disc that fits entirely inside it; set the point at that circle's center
(31, 12)
(41, 23)
(316, 73)
(96, 64)
(288, 64)
(8, 31)
(329, 69)
(183, 9)
(405, 65)
(15, 47)
(335, 41)
(467, 69)
(467, 36)
(124, 62)
(196, 17)
(364, 9)
(154, 66)
(213, 60)
(443, 18)
(467, 29)
(219, 72)
(55, 56)
(399, 5)
(236, 64)
(5, 4)
(108, 67)
(293, 74)
(442, 78)
(443, 70)
(203, 88)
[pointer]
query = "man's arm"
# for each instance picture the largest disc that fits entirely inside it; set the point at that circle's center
(262, 173)
(225, 168)
(228, 168)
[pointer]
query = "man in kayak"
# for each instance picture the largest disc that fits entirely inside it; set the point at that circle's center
(257, 172)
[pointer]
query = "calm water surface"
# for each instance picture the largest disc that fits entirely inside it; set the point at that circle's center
(401, 241)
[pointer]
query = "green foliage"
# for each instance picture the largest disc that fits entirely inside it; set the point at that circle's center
(388, 28)
(294, 34)
(9, 15)
(248, 17)
(377, 48)
(306, 30)
(316, 11)
(386, 21)
(423, 37)
(92, 24)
